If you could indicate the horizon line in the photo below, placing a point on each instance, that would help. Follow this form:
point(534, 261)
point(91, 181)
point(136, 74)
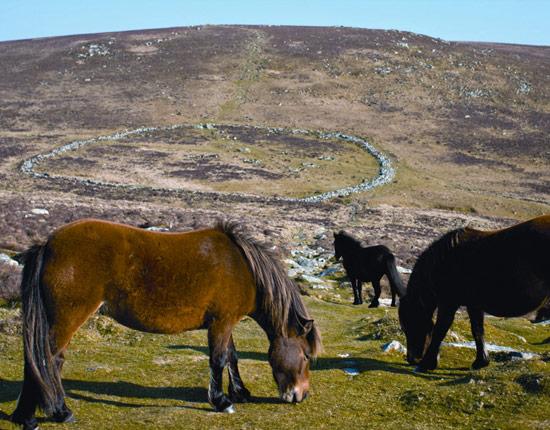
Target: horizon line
point(38, 38)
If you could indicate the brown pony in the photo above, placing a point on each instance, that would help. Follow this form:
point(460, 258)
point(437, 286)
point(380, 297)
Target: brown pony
point(159, 283)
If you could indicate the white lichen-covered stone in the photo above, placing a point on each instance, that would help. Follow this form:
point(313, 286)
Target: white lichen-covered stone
point(6, 259)
point(514, 353)
point(394, 345)
point(40, 211)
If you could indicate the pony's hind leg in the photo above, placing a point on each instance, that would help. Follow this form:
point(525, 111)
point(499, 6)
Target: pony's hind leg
point(237, 391)
point(68, 321)
point(63, 414)
point(377, 291)
point(27, 402)
point(476, 323)
point(219, 334)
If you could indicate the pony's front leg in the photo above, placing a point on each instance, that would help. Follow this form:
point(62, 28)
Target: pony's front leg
point(356, 296)
point(218, 340)
point(476, 323)
point(377, 291)
point(237, 391)
point(445, 318)
point(359, 286)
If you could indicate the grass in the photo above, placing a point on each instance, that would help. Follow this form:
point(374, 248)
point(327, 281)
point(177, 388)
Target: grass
point(150, 163)
point(119, 378)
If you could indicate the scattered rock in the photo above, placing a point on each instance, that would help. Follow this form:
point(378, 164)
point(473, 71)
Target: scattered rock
point(39, 211)
point(312, 279)
point(94, 50)
point(6, 259)
point(500, 353)
point(394, 345)
point(156, 228)
point(524, 87)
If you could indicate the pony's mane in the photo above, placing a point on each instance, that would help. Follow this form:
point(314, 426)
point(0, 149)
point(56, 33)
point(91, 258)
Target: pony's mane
point(423, 271)
point(279, 297)
point(348, 239)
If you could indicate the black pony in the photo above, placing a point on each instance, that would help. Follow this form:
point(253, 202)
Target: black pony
point(367, 264)
point(504, 273)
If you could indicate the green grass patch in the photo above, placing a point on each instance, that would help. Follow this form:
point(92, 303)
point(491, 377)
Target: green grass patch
point(119, 378)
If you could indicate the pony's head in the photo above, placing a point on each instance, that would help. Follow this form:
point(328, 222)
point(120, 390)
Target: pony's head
point(337, 245)
point(341, 240)
point(417, 324)
point(290, 357)
point(417, 307)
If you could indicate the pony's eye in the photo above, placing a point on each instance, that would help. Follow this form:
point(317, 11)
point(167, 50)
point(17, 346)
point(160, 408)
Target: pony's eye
point(306, 357)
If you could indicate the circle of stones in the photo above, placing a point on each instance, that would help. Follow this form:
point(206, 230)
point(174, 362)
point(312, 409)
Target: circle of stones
point(385, 175)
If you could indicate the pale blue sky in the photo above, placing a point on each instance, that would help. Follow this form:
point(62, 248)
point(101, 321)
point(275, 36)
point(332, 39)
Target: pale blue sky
point(509, 21)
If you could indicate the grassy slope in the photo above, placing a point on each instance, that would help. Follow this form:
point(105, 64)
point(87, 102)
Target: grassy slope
point(118, 378)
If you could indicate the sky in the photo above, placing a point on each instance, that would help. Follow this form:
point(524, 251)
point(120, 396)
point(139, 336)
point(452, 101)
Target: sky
point(507, 21)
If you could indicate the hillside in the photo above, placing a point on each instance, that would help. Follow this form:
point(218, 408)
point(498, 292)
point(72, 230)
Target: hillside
point(177, 127)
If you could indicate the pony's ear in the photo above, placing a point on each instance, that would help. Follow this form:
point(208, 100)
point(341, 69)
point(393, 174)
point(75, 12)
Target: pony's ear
point(335, 234)
point(307, 326)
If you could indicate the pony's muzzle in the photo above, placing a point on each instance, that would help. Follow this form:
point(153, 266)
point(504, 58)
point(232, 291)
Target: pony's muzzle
point(294, 396)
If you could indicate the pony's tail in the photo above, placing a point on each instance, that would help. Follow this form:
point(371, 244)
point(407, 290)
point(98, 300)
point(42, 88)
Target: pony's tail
point(39, 360)
point(396, 283)
point(279, 297)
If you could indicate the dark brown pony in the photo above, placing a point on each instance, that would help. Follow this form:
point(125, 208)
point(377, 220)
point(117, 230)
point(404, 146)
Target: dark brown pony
point(367, 264)
point(505, 273)
point(159, 283)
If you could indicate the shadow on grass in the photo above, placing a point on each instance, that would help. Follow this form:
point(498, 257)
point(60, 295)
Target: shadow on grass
point(75, 388)
point(247, 355)
point(9, 390)
point(361, 364)
point(91, 391)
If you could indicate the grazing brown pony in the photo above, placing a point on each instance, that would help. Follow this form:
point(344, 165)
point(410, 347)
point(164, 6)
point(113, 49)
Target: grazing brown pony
point(505, 273)
point(159, 283)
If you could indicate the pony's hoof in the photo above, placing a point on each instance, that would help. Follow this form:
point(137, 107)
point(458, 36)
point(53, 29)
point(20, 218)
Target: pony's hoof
point(27, 424)
point(479, 364)
point(229, 410)
point(374, 304)
point(425, 366)
point(65, 416)
point(240, 396)
point(223, 404)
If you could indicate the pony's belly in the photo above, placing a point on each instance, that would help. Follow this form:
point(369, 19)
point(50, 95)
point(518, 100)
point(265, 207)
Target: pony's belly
point(151, 320)
point(513, 306)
